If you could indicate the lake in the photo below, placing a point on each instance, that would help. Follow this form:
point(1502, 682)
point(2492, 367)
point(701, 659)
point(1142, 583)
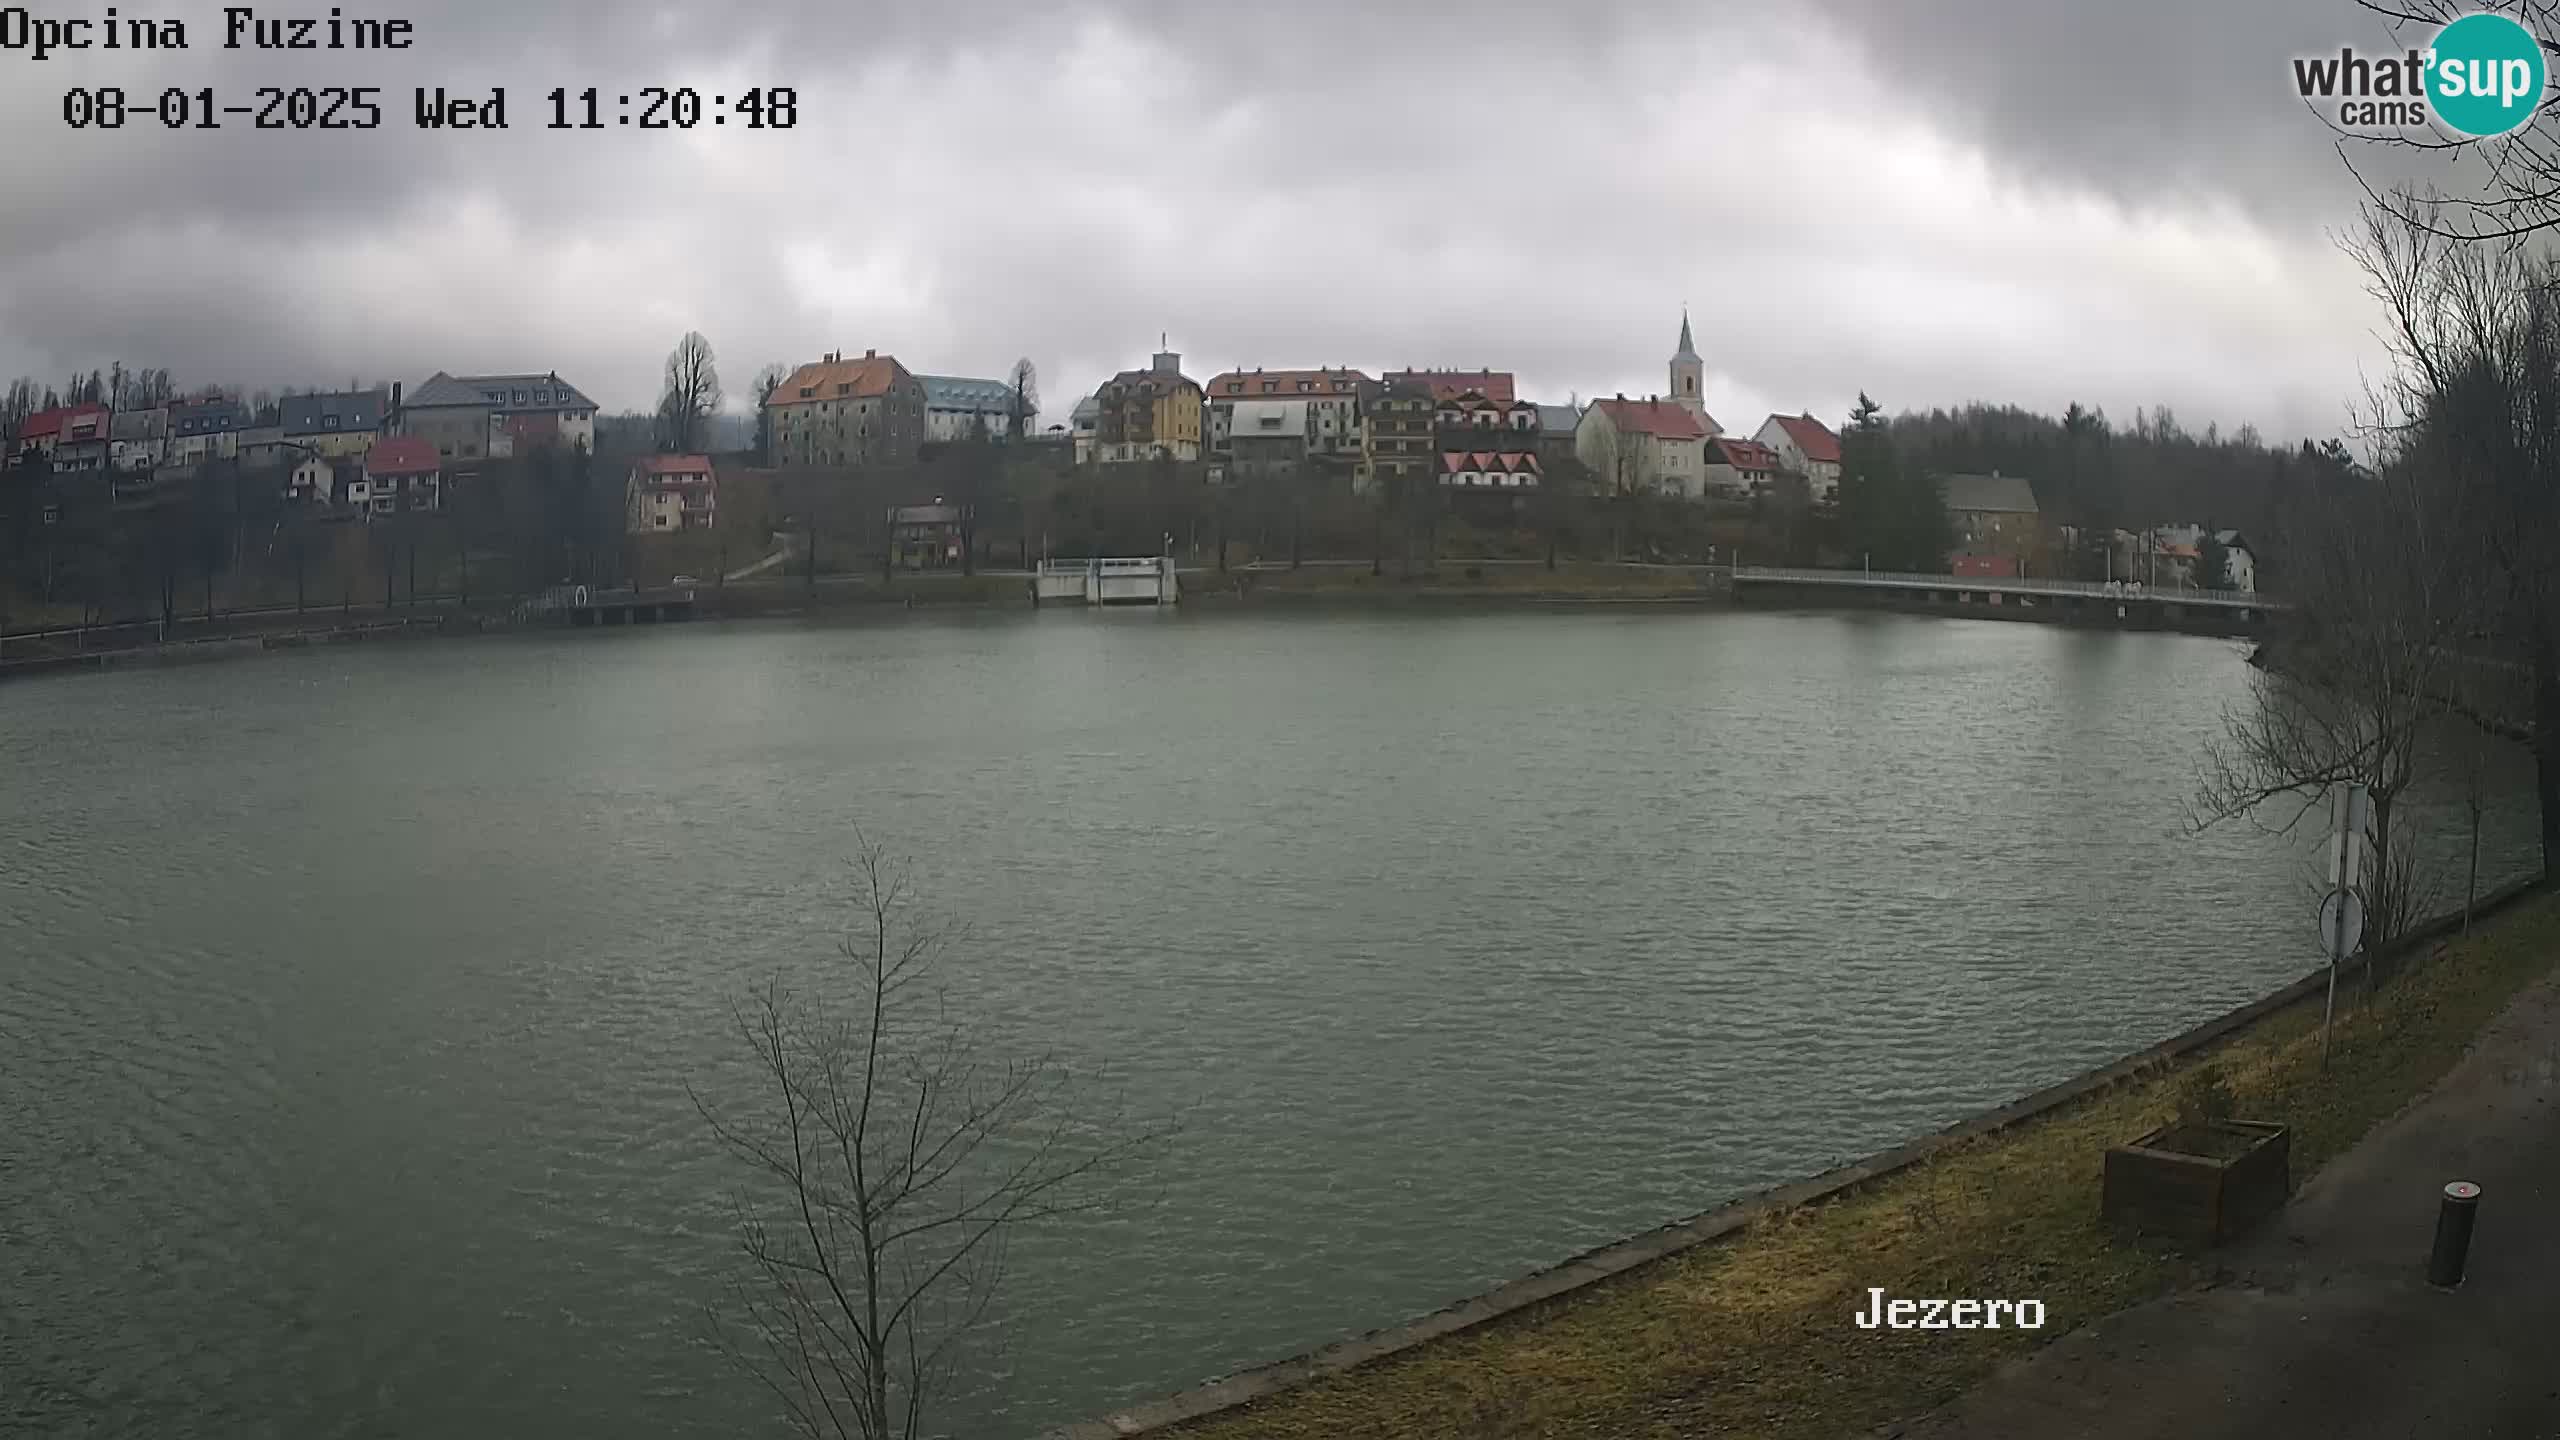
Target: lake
point(349, 997)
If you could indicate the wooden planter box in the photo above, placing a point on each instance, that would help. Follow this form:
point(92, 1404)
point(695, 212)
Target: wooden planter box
point(2199, 1184)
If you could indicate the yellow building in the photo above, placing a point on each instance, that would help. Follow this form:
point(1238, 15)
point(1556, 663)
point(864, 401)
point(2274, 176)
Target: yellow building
point(340, 426)
point(1149, 414)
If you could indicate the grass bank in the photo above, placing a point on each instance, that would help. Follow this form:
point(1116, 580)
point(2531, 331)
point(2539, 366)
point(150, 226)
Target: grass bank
point(1752, 1336)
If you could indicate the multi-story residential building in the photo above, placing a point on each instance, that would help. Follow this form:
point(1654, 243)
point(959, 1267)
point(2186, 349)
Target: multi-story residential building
point(207, 429)
point(401, 472)
point(1644, 447)
point(1085, 424)
point(837, 411)
point(1737, 467)
point(1398, 450)
point(1485, 442)
point(470, 417)
point(71, 437)
point(138, 439)
point(671, 492)
point(1331, 398)
point(1266, 439)
point(1993, 514)
point(957, 407)
point(1149, 414)
point(1807, 447)
point(337, 425)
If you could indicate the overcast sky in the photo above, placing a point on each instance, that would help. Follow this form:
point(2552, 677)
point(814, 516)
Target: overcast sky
point(1936, 201)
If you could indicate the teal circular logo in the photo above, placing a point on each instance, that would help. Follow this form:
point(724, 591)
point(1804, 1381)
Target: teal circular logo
point(2484, 75)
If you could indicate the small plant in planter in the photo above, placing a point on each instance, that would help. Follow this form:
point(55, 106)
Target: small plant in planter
point(2202, 1178)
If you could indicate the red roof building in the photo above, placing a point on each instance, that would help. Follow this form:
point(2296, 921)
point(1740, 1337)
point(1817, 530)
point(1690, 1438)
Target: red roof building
point(1490, 469)
point(46, 430)
point(1662, 419)
point(402, 455)
point(671, 492)
point(1810, 436)
point(1449, 384)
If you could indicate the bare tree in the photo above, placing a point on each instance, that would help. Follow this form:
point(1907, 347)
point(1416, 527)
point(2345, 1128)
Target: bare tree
point(691, 398)
point(1026, 396)
point(889, 1165)
point(2354, 680)
point(768, 380)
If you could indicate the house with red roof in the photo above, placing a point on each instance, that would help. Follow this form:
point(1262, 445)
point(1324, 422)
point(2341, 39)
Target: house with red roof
point(72, 437)
point(1807, 447)
point(1494, 385)
point(1652, 446)
point(1331, 398)
point(1738, 468)
point(401, 472)
point(671, 492)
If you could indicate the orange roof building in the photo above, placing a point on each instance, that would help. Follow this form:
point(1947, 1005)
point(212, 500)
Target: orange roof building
point(843, 412)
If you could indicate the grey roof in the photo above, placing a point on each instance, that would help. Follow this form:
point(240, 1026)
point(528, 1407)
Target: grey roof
point(959, 392)
point(138, 425)
point(1558, 419)
point(203, 416)
point(2230, 540)
point(1991, 494)
point(442, 390)
point(355, 410)
point(1089, 408)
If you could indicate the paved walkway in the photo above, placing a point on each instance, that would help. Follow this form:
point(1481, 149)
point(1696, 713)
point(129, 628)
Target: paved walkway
point(2326, 1325)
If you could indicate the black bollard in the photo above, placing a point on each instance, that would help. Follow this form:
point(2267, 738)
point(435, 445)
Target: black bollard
point(2454, 1219)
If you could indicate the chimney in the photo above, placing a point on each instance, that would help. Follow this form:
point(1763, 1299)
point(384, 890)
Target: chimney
point(870, 354)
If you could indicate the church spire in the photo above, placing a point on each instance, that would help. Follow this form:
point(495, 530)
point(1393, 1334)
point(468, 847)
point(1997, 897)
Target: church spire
point(1688, 373)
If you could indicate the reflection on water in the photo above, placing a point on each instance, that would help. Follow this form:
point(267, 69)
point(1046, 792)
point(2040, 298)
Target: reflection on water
point(347, 999)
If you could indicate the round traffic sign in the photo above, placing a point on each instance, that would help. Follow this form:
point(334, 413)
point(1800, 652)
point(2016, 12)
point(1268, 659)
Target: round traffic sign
point(2342, 921)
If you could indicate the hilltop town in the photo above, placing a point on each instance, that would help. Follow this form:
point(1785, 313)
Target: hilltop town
point(121, 492)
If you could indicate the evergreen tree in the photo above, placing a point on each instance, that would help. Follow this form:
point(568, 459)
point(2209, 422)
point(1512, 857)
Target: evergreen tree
point(1893, 512)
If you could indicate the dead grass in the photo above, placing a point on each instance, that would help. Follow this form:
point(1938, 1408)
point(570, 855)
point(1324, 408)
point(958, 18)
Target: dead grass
point(1754, 1336)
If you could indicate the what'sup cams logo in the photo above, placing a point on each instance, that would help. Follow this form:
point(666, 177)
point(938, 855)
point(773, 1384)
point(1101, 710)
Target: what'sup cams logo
point(2482, 76)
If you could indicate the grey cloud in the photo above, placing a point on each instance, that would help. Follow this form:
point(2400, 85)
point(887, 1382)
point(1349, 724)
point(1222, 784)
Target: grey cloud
point(982, 180)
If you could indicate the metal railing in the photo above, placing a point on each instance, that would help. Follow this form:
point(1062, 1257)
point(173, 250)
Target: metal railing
point(1916, 580)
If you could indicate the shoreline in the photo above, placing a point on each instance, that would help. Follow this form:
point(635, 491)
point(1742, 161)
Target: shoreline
point(243, 638)
point(1239, 1397)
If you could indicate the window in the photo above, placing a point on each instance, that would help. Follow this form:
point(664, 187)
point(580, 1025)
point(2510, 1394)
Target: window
point(519, 397)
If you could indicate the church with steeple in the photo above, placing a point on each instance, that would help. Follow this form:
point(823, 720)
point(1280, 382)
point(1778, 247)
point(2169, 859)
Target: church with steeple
point(1689, 373)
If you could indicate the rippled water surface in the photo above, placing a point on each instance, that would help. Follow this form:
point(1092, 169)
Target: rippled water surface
point(348, 998)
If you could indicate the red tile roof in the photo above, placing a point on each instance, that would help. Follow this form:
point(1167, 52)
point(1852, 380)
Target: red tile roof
point(1745, 454)
point(1453, 461)
point(872, 375)
point(1662, 419)
point(1281, 384)
point(402, 455)
point(672, 464)
point(1496, 384)
point(1811, 436)
point(59, 418)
